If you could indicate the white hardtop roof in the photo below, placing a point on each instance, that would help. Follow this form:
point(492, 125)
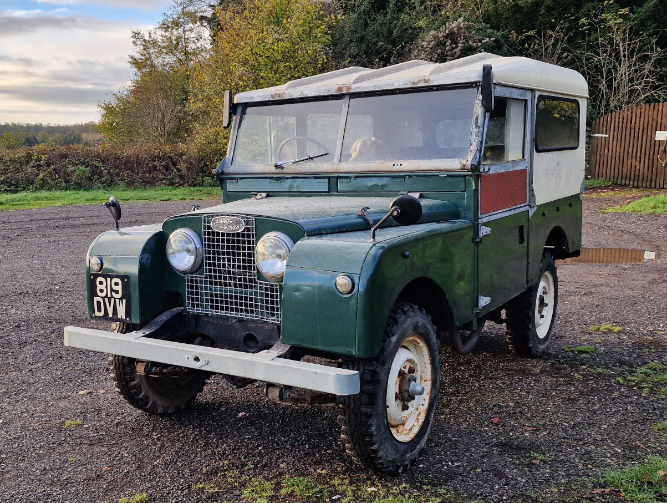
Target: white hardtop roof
point(511, 71)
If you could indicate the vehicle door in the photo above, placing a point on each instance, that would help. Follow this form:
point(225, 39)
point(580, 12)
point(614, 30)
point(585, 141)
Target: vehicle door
point(503, 200)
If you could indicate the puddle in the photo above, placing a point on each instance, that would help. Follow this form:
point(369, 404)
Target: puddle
point(611, 256)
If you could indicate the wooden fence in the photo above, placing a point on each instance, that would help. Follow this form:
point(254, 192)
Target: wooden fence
point(630, 155)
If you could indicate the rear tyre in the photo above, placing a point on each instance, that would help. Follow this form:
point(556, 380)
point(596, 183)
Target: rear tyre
point(386, 425)
point(531, 315)
point(157, 395)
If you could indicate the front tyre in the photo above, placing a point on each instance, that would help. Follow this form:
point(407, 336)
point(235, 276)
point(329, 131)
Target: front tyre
point(153, 394)
point(531, 315)
point(386, 425)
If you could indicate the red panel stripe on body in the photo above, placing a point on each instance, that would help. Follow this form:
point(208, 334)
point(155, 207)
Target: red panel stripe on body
point(499, 191)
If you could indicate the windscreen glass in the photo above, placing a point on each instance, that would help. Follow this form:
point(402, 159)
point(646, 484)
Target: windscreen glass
point(410, 126)
point(277, 133)
point(426, 125)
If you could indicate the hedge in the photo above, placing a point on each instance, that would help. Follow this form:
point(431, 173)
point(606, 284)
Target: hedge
point(81, 167)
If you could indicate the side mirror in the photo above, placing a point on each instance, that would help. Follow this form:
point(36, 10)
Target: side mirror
point(487, 88)
point(410, 210)
point(405, 210)
point(228, 109)
point(114, 208)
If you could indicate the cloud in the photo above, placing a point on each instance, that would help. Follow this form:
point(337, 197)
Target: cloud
point(60, 76)
point(19, 25)
point(143, 5)
point(53, 95)
point(19, 61)
point(57, 64)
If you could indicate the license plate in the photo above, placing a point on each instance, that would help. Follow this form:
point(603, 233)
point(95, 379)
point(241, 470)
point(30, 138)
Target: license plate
point(110, 295)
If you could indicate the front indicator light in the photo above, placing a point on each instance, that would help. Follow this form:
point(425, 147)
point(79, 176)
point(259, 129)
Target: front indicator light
point(344, 284)
point(96, 264)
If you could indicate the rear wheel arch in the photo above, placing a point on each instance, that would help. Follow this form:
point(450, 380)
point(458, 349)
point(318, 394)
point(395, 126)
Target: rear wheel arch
point(557, 244)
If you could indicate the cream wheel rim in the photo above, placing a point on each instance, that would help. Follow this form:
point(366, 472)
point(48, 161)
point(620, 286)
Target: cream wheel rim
point(411, 369)
point(544, 304)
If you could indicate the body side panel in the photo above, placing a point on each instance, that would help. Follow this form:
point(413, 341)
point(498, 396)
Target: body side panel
point(443, 255)
point(564, 214)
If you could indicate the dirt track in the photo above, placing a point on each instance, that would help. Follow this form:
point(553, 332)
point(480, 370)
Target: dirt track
point(561, 421)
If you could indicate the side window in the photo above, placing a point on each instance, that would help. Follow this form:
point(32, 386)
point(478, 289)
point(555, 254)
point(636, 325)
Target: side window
point(506, 133)
point(556, 124)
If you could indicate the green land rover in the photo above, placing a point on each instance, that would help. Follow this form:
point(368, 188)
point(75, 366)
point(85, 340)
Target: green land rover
point(365, 214)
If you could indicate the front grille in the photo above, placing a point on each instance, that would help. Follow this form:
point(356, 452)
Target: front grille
point(229, 285)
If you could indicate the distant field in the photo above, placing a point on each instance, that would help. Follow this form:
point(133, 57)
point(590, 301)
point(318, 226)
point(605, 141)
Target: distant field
point(43, 199)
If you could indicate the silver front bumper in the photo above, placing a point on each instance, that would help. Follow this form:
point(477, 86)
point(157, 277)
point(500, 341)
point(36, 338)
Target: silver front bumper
point(263, 366)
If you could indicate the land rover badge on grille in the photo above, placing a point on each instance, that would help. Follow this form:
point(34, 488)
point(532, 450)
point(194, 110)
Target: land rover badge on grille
point(227, 224)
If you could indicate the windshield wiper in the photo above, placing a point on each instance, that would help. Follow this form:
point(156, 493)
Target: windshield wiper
point(279, 165)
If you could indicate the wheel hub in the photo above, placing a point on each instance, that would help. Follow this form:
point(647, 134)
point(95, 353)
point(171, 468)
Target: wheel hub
point(544, 304)
point(408, 389)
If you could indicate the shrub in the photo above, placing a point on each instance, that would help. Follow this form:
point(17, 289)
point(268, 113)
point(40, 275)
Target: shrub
point(82, 167)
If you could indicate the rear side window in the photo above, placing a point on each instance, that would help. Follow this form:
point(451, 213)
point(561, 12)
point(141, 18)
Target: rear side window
point(557, 124)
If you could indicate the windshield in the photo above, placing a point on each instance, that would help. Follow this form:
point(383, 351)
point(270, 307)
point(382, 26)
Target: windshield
point(428, 125)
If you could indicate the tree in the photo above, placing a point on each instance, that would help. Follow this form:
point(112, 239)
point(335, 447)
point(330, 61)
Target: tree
point(456, 39)
point(267, 43)
point(153, 108)
point(623, 67)
point(12, 140)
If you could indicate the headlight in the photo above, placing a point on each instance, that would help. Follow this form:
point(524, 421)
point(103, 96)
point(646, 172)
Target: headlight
point(184, 250)
point(272, 253)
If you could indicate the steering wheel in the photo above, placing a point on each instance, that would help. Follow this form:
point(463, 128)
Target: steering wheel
point(295, 138)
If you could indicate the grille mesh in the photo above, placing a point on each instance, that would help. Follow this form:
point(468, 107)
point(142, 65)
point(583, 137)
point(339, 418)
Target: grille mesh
point(229, 285)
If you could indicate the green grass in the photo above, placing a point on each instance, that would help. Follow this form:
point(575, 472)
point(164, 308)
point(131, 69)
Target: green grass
point(581, 349)
point(259, 491)
point(650, 378)
point(605, 328)
point(303, 487)
point(47, 198)
point(72, 424)
point(662, 427)
point(646, 205)
point(539, 456)
point(137, 498)
point(322, 486)
point(646, 483)
point(595, 183)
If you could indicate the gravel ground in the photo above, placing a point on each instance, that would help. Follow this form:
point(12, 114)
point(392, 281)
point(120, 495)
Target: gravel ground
point(508, 428)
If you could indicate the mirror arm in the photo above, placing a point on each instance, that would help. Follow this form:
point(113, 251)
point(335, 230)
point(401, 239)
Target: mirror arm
point(108, 205)
point(392, 213)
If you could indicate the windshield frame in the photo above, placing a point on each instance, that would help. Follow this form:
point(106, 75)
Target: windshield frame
point(336, 166)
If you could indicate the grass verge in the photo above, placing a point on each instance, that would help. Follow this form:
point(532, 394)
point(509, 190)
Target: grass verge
point(231, 485)
point(594, 183)
point(646, 483)
point(645, 206)
point(48, 198)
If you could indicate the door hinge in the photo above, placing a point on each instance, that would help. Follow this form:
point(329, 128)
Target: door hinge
point(482, 231)
point(483, 301)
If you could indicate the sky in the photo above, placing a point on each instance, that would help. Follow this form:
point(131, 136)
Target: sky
point(60, 58)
